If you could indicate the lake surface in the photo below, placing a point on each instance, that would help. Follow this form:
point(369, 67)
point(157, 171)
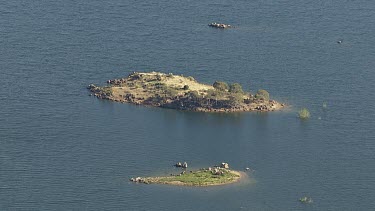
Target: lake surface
point(63, 150)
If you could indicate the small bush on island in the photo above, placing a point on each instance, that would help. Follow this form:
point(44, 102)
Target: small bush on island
point(304, 113)
point(171, 92)
point(235, 88)
point(235, 99)
point(220, 85)
point(186, 87)
point(262, 95)
point(194, 95)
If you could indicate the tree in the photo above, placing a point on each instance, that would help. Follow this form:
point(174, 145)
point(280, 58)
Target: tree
point(214, 94)
point(235, 88)
point(262, 94)
point(235, 99)
point(220, 85)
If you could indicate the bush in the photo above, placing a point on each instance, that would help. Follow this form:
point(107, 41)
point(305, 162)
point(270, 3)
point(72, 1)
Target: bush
point(194, 95)
point(171, 92)
point(220, 85)
point(235, 99)
point(235, 88)
point(214, 93)
point(262, 94)
point(186, 87)
point(304, 113)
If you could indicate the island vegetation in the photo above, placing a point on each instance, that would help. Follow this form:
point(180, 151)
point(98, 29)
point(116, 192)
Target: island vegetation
point(304, 113)
point(183, 93)
point(218, 175)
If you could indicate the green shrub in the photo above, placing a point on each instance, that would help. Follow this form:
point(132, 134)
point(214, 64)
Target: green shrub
point(304, 113)
point(236, 99)
point(214, 93)
point(235, 88)
point(170, 92)
point(194, 95)
point(220, 85)
point(262, 94)
point(186, 87)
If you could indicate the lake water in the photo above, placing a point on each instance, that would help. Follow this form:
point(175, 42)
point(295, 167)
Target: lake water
point(63, 150)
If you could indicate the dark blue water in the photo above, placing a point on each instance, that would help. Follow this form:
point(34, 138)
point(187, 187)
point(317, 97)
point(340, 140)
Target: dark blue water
point(63, 150)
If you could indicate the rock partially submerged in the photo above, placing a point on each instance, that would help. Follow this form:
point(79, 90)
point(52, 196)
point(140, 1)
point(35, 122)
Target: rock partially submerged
point(182, 165)
point(224, 165)
point(220, 25)
point(306, 200)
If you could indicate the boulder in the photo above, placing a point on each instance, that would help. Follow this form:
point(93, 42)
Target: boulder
point(224, 165)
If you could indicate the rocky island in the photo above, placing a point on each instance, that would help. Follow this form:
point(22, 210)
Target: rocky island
point(220, 25)
point(183, 93)
point(218, 175)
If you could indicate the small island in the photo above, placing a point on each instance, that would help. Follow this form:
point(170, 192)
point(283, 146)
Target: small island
point(219, 175)
point(220, 25)
point(183, 93)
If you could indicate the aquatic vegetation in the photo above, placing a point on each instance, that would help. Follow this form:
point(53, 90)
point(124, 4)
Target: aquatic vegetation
point(306, 200)
point(304, 113)
point(324, 105)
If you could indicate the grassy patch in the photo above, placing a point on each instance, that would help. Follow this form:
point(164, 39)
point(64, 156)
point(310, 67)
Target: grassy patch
point(197, 178)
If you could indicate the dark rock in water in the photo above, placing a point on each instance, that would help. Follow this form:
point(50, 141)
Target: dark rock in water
point(183, 165)
point(91, 86)
point(137, 179)
point(220, 25)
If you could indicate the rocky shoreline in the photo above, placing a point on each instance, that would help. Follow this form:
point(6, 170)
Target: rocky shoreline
point(179, 92)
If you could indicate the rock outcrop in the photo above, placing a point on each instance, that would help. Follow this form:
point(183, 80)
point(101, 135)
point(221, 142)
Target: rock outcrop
point(220, 25)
